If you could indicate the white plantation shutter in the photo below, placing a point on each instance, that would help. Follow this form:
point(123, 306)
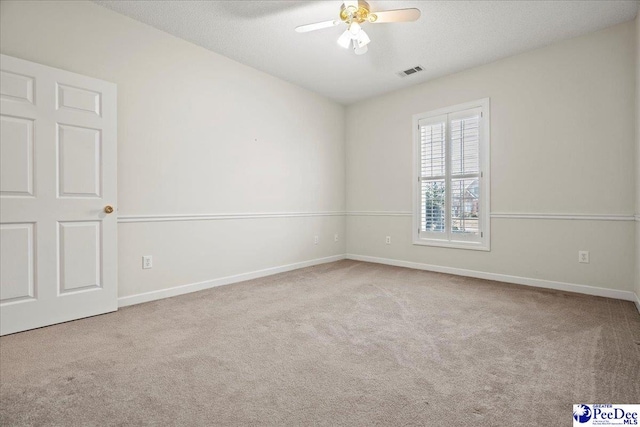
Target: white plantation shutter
point(465, 174)
point(450, 205)
point(433, 175)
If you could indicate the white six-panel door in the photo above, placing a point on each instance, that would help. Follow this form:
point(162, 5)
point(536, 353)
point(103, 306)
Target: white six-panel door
point(58, 244)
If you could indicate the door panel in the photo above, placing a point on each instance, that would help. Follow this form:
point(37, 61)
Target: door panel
point(80, 255)
point(16, 87)
point(80, 99)
point(17, 269)
point(16, 156)
point(79, 161)
point(58, 147)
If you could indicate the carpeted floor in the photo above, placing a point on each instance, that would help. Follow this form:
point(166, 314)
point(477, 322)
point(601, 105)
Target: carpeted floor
point(347, 343)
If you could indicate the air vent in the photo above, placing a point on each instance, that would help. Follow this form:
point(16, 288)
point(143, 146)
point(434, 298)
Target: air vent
point(410, 71)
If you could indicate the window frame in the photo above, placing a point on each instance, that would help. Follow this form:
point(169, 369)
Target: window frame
point(484, 243)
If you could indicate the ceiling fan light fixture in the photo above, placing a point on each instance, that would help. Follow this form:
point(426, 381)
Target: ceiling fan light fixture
point(345, 39)
point(360, 50)
point(362, 39)
point(355, 29)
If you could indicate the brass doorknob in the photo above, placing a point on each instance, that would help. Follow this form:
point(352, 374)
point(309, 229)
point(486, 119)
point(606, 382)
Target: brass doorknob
point(108, 209)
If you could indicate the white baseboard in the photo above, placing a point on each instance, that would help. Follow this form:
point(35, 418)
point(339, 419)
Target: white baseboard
point(193, 287)
point(540, 283)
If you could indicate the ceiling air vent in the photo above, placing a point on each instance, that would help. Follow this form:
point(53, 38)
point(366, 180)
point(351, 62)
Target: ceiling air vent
point(410, 71)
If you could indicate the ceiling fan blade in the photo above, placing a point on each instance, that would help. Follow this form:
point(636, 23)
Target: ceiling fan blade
point(316, 26)
point(397, 15)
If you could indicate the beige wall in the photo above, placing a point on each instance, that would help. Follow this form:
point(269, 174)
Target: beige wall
point(562, 142)
point(197, 134)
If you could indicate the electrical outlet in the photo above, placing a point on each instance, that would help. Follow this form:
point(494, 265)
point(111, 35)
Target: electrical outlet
point(388, 240)
point(316, 239)
point(583, 256)
point(147, 261)
point(335, 237)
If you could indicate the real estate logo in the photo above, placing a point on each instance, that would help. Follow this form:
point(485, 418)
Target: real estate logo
point(607, 414)
point(581, 413)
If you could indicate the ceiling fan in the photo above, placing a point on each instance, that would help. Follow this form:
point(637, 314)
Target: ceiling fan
point(356, 12)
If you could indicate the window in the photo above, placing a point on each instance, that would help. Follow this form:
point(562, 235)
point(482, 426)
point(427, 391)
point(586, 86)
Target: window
point(451, 182)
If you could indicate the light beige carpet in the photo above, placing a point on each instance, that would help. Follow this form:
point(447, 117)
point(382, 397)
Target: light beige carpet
point(347, 343)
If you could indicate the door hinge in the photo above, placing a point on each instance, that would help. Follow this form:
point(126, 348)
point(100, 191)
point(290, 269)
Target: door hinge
point(481, 174)
point(481, 234)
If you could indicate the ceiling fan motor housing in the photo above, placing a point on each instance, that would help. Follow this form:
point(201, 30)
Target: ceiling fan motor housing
point(361, 14)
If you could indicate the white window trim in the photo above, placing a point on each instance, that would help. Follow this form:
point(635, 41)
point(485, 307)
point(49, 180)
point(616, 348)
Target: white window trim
point(485, 168)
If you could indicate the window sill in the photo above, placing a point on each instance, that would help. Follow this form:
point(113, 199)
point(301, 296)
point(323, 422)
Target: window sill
point(474, 246)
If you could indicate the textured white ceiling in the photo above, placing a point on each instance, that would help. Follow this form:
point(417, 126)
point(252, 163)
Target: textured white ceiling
point(450, 36)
